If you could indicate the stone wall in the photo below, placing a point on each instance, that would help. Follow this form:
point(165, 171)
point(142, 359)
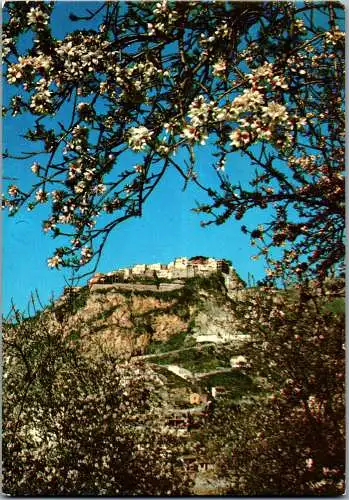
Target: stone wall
point(138, 287)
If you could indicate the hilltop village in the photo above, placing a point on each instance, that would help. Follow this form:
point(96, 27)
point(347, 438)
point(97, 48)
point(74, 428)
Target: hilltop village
point(180, 268)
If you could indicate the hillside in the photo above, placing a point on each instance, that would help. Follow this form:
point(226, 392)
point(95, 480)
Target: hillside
point(166, 366)
point(186, 333)
point(137, 321)
point(184, 330)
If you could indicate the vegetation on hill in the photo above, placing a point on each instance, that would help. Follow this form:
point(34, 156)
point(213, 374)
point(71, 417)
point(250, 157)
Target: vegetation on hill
point(204, 358)
point(237, 385)
point(73, 425)
point(283, 412)
point(181, 340)
point(293, 441)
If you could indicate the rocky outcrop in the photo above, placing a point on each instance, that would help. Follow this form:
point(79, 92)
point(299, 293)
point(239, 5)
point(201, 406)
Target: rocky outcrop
point(126, 319)
point(215, 322)
point(115, 322)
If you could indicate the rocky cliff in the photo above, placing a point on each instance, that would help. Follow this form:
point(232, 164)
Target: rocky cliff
point(126, 322)
point(133, 321)
point(187, 334)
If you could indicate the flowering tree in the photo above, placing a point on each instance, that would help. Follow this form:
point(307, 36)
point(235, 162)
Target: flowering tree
point(264, 80)
point(74, 426)
point(291, 441)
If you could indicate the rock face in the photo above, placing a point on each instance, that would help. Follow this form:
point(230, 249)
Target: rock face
point(127, 321)
point(114, 322)
point(215, 322)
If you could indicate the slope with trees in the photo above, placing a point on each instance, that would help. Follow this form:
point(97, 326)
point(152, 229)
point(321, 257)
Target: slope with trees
point(76, 426)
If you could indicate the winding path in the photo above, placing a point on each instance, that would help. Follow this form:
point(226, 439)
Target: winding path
point(167, 353)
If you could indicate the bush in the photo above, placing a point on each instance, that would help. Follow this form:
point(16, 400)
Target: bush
point(80, 427)
point(293, 441)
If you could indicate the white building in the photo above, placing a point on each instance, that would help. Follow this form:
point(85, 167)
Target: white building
point(126, 272)
point(154, 267)
point(165, 274)
point(181, 267)
point(218, 391)
point(212, 263)
point(238, 362)
point(181, 263)
point(139, 269)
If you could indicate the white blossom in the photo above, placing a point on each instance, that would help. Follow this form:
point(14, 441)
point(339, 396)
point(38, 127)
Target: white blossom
point(41, 196)
point(219, 68)
point(275, 111)
point(13, 190)
point(37, 16)
point(35, 167)
point(138, 137)
point(54, 261)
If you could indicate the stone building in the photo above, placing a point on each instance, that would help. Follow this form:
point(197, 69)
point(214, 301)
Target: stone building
point(179, 268)
point(196, 398)
point(139, 269)
point(154, 267)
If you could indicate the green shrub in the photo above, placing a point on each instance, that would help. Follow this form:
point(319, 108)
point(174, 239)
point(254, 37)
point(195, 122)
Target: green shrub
point(173, 343)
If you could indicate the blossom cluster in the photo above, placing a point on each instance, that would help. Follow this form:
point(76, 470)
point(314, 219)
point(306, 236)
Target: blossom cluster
point(258, 117)
point(298, 358)
point(127, 91)
point(138, 137)
point(85, 425)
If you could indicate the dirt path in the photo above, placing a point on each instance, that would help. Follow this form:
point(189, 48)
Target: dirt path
point(167, 353)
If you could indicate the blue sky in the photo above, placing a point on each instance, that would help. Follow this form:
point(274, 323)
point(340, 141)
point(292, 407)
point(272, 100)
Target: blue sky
point(167, 229)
